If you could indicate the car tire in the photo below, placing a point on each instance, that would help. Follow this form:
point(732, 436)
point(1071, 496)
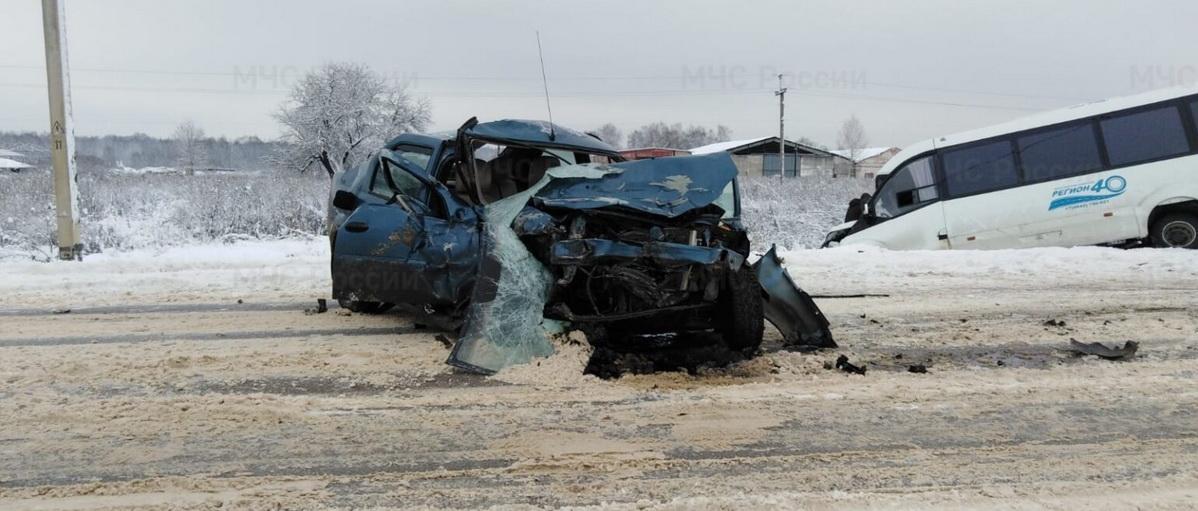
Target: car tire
point(742, 323)
point(364, 307)
point(1176, 230)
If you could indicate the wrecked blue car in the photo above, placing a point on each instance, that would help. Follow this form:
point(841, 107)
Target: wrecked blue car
point(512, 231)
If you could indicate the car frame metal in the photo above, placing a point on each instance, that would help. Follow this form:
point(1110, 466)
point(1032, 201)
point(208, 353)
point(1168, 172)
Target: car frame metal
point(646, 247)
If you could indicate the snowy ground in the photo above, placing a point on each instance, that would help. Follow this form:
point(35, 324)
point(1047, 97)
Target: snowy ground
point(192, 378)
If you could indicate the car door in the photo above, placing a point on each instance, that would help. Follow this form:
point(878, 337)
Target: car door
point(416, 246)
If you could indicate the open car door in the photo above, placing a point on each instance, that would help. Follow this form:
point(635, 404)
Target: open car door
point(417, 247)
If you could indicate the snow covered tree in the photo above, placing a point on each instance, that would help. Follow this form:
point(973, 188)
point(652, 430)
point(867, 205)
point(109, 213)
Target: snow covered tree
point(660, 134)
point(340, 112)
point(189, 147)
point(852, 140)
point(611, 134)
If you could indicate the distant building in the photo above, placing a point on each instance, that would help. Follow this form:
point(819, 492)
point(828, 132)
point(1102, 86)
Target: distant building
point(871, 160)
point(759, 157)
point(649, 153)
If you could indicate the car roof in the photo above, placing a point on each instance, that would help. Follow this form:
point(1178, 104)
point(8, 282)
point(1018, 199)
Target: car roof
point(540, 133)
point(418, 139)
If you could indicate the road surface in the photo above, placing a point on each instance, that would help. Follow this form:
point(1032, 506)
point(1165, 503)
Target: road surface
point(129, 402)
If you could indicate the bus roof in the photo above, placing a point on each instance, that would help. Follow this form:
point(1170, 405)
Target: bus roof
point(1048, 118)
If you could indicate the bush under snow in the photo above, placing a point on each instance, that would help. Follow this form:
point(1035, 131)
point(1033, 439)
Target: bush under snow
point(125, 211)
point(796, 213)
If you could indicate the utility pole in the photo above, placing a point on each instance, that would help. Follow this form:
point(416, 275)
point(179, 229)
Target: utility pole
point(62, 131)
point(781, 93)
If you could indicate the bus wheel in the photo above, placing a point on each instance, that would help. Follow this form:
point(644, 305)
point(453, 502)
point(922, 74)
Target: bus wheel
point(1176, 230)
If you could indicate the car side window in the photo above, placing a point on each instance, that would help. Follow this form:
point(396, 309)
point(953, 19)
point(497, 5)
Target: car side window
point(400, 182)
point(907, 189)
point(415, 154)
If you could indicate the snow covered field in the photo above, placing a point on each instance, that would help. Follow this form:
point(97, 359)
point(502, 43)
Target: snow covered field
point(297, 270)
point(169, 209)
point(191, 378)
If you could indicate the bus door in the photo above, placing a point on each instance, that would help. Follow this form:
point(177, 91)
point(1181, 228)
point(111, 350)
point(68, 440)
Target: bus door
point(908, 210)
point(987, 208)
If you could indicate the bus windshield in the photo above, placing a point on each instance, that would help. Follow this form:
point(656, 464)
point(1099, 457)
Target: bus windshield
point(908, 188)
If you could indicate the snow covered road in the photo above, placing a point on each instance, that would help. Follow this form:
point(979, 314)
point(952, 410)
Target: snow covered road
point(159, 390)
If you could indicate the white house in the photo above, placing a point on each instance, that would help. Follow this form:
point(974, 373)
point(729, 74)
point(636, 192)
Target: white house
point(870, 160)
point(759, 157)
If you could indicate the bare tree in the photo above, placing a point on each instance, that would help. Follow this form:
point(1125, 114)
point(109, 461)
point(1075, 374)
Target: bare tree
point(189, 148)
point(660, 134)
point(340, 112)
point(852, 140)
point(611, 134)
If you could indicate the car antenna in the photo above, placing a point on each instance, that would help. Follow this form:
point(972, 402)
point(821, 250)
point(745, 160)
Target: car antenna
point(545, 82)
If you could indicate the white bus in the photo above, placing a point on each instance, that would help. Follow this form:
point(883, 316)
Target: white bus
point(1114, 172)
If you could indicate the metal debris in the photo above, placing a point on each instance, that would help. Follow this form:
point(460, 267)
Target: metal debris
point(1102, 351)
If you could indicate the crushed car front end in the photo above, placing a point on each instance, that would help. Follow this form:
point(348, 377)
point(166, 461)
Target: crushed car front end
point(665, 262)
point(628, 249)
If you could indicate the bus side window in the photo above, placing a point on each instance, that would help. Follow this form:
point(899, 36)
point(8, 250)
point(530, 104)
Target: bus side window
point(1060, 153)
point(1145, 136)
point(980, 169)
point(1194, 114)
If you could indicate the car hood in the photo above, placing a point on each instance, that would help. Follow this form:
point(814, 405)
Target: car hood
point(666, 187)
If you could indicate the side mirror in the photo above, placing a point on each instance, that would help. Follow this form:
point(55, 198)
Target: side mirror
point(345, 200)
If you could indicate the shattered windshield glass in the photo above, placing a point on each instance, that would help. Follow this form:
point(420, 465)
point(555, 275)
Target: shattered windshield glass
point(727, 200)
point(505, 324)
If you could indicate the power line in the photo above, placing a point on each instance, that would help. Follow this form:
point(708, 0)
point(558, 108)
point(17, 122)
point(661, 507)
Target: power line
point(494, 78)
point(529, 95)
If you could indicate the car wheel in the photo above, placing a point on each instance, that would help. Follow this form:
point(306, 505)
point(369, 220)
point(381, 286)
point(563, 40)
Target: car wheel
point(742, 321)
point(365, 307)
point(1176, 230)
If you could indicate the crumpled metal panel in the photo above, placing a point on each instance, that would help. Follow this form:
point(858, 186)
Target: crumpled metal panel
point(789, 308)
point(601, 251)
point(505, 322)
point(666, 187)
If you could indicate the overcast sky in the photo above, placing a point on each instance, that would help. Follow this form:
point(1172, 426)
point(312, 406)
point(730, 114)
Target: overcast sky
point(909, 70)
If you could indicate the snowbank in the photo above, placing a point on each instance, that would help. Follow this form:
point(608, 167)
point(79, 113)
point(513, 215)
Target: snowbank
point(269, 271)
point(275, 271)
point(873, 270)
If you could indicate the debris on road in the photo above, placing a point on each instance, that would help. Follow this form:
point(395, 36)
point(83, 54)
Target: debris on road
point(918, 369)
point(843, 364)
point(1055, 323)
point(322, 306)
point(61, 311)
point(1102, 351)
